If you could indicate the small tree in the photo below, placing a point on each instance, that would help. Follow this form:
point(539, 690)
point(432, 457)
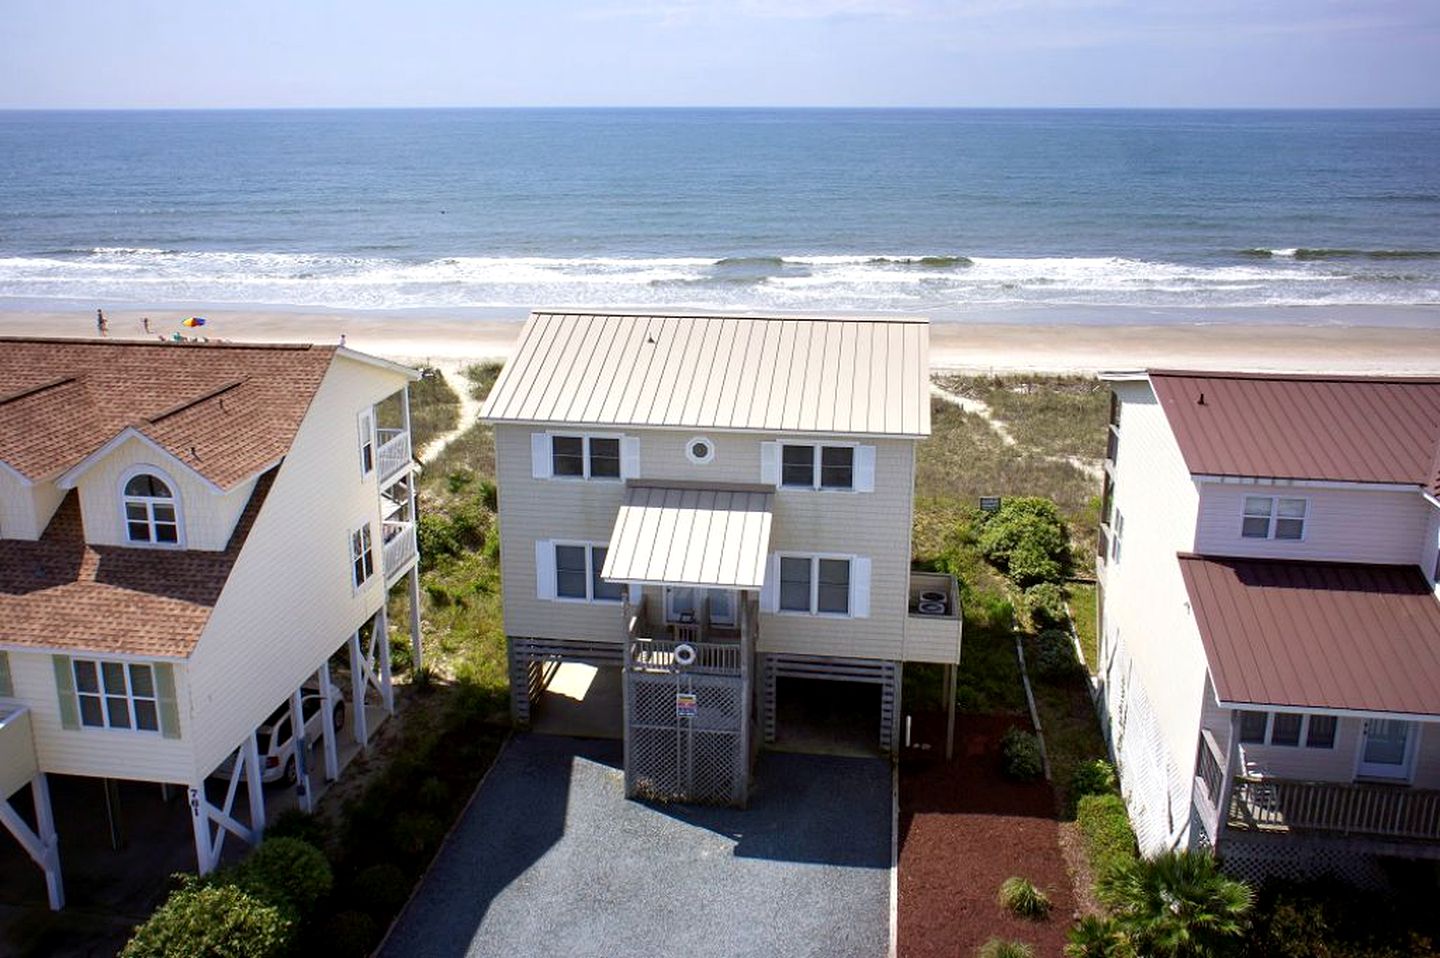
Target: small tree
point(286, 872)
point(1027, 539)
point(1177, 905)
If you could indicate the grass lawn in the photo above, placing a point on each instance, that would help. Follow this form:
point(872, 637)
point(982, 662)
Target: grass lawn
point(1082, 612)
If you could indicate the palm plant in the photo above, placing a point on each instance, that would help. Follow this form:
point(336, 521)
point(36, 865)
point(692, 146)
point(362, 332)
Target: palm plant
point(1095, 937)
point(1177, 905)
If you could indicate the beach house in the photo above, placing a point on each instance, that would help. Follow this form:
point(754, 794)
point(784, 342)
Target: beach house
point(189, 533)
point(710, 506)
point(1269, 626)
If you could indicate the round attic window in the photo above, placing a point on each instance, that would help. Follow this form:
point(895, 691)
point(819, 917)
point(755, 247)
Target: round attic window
point(700, 450)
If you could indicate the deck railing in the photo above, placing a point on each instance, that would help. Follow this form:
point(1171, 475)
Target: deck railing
point(1386, 811)
point(658, 655)
point(1208, 768)
point(394, 452)
point(398, 548)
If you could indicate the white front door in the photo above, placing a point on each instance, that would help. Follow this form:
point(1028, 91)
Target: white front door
point(1387, 749)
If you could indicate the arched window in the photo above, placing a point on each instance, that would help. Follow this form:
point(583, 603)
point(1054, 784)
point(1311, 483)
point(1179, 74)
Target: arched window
point(150, 514)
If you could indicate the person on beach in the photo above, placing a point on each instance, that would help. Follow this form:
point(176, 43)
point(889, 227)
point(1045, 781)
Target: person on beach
point(145, 324)
point(102, 326)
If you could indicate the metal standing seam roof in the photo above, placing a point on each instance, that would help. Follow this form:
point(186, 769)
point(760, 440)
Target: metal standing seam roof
point(1339, 428)
point(711, 537)
point(227, 411)
point(858, 375)
point(1361, 638)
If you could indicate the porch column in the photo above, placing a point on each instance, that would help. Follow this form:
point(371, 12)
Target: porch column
point(416, 653)
point(255, 788)
point(200, 822)
point(359, 725)
point(950, 691)
point(381, 636)
point(1227, 778)
point(302, 754)
point(327, 728)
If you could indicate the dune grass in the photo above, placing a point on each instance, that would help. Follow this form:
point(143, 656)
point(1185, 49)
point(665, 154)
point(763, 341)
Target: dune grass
point(1049, 415)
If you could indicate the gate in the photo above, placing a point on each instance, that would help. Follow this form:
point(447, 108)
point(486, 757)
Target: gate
point(687, 723)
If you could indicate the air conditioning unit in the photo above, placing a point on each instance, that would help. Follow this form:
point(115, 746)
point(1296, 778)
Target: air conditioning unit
point(933, 603)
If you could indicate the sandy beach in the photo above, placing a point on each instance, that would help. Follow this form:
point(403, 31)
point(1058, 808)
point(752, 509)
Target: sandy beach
point(1387, 341)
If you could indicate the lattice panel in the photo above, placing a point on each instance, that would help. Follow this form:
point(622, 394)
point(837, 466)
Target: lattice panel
point(681, 758)
point(1298, 860)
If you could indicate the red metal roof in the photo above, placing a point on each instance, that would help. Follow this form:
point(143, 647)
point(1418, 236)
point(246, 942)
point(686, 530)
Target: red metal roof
point(225, 410)
point(1342, 428)
point(1364, 638)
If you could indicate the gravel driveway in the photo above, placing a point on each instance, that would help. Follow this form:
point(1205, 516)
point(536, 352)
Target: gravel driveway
point(551, 860)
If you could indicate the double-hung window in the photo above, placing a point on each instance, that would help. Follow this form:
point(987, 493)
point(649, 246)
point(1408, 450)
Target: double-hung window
point(362, 555)
point(585, 457)
point(577, 574)
point(1273, 517)
point(805, 466)
point(815, 585)
point(116, 695)
point(367, 443)
point(1287, 729)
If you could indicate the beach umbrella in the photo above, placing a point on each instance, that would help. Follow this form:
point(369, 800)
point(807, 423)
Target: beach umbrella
point(194, 321)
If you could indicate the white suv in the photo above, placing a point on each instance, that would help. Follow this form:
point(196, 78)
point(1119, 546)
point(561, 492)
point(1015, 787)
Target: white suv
point(277, 744)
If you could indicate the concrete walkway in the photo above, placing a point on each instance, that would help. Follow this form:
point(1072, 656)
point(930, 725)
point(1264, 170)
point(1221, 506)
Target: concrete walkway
point(551, 860)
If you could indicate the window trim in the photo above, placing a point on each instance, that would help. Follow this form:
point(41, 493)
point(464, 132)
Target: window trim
point(816, 466)
point(103, 694)
point(1274, 517)
point(815, 557)
point(365, 530)
point(591, 573)
point(585, 438)
point(690, 445)
point(140, 469)
point(369, 440)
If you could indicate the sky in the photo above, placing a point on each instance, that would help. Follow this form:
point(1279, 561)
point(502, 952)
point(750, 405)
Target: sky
point(505, 53)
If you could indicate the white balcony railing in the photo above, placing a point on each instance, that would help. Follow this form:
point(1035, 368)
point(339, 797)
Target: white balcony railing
point(394, 452)
point(398, 550)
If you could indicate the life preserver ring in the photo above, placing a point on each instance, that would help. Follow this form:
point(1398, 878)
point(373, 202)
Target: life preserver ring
point(684, 654)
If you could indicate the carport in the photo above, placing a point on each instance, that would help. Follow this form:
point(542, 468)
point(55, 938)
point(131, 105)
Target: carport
point(550, 859)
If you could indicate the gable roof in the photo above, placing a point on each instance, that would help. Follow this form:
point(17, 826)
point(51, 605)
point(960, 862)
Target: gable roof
point(60, 593)
point(1340, 636)
point(1336, 428)
point(227, 411)
point(857, 376)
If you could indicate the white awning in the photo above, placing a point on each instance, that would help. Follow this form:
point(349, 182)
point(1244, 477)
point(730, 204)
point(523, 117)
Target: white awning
point(708, 537)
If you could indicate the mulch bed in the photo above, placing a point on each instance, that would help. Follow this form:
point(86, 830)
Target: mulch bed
point(964, 829)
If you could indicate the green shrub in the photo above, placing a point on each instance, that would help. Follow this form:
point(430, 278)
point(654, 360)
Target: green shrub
point(286, 872)
point(1046, 604)
point(1021, 898)
point(490, 495)
point(1027, 539)
point(293, 823)
point(1095, 777)
point(202, 919)
point(1327, 919)
point(1020, 751)
point(459, 480)
point(348, 934)
point(1109, 841)
point(1177, 905)
point(998, 948)
point(380, 889)
point(1054, 656)
point(432, 794)
point(1096, 937)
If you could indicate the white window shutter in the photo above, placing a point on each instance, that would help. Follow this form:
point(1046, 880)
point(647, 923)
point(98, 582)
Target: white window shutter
point(637, 592)
point(864, 468)
point(770, 463)
point(541, 466)
point(770, 591)
point(860, 587)
point(544, 569)
point(629, 457)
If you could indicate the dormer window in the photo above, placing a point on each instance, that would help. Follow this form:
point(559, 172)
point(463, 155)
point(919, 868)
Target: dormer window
point(150, 511)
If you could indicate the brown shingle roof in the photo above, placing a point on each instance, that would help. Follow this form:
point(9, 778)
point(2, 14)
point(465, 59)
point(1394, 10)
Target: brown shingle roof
point(59, 593)
point(1318, 635)
point(1350, 429)
point(226, 410)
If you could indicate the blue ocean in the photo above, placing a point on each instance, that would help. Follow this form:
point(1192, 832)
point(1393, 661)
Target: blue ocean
point(936, 211)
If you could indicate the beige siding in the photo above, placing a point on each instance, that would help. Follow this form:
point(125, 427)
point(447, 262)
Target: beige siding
point(1162, 675)
point(289, 603)
point(17, 750)
point(874, 524)
point(106, 753)
point(1343, 525)
point(208, 517)
point(25, 511)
